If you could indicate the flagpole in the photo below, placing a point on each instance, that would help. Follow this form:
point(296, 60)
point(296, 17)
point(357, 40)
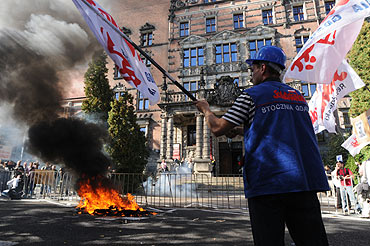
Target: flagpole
point(144, 54)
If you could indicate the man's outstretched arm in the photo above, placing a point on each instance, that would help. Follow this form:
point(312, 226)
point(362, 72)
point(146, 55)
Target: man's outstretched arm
point(218, 126)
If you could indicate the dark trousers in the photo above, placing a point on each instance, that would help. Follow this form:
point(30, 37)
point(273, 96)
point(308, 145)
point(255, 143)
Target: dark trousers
point(299, 211)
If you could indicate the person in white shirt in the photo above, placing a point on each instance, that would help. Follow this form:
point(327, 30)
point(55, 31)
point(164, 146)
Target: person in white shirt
point(364, 195)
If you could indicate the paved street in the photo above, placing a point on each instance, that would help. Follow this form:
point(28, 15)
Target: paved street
point(37, 222)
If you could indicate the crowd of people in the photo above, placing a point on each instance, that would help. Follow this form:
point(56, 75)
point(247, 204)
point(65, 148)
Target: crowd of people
point(25, 176)
point(176, 165)
point(342, 182)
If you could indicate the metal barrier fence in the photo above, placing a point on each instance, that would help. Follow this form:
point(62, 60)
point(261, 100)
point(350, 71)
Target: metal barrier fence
point(162, 190)
point(183, 190)
point(43, 184)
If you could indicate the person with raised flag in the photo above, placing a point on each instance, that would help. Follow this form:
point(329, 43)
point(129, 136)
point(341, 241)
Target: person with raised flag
point(126, 58)
point(283, 170)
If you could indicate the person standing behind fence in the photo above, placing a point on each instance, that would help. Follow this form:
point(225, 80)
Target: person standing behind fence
point(336, 183)
point(345, 176)
point(328, 175)
point(30, 185)
point(213, 166)
point(283, 170)
point(191, 165)
point(164, 167)
point(362, 189)
point(46, 178)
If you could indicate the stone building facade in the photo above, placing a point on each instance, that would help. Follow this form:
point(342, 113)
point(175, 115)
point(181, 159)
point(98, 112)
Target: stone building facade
point(204, 44)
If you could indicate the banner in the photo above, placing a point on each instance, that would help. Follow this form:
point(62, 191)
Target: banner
point(176, 151)
point(325, 99)
point(353, 146)
point(361, 127)
point(323, 52)
point(127, 60)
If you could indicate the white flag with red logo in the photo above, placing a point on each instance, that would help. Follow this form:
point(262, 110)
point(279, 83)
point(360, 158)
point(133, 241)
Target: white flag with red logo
point(353, 146)
point(126, 58)
point(324, 101)
point(323, 52)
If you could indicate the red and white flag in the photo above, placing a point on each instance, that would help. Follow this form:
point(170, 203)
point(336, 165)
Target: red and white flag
point(325, 99)
point(353, 146)
point(324, 51)
point(127, 60)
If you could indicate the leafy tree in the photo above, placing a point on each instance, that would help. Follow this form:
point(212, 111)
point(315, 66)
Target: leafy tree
point(97, 90)
point(359, 60)
point(128, 145)
point(334, 148)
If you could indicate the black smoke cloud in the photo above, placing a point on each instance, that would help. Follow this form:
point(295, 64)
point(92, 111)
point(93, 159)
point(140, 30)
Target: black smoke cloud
point(71, 141)
point(40, 41)
point(28, 81)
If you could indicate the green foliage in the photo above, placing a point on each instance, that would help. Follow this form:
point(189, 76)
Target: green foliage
point(360, 157)
point(334, 148)
point(97, 90)
point(350, 164)
point(360, 61)
point(128, 147)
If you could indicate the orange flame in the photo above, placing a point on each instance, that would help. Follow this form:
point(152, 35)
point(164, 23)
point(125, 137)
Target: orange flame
point(104, 198)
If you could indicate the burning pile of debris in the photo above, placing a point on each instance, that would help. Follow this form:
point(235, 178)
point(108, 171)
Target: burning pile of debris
point(100, 199)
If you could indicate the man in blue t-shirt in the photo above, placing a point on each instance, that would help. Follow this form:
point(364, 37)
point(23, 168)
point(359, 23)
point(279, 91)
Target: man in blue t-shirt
point(283, 169)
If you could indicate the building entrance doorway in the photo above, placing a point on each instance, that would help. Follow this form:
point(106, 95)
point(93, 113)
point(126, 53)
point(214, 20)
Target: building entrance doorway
point(230, 155)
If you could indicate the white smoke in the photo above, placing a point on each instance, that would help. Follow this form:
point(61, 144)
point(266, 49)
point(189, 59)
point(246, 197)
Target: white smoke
point(12, 133)
point(48, 37)
point(176, 184)
point(53, 29)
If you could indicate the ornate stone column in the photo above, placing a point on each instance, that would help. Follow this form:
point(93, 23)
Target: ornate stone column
point(163, 146)
point(199, 136)
point(169, 150)
point(206, 138)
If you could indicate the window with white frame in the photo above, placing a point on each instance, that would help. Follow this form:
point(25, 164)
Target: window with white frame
point(143, 129)
point(300, 41)
point(226, 53)
point(190, 86)
point(143, 103)
point(255, 45)
point(329, 5)
point(147, 39)
point(210, 24)
point(267, 16)
point(308, 89)
point(146, 61)
point(118, 94)
point(298, 13)
point(184, 29)
point(238, 21)
point(193, 57)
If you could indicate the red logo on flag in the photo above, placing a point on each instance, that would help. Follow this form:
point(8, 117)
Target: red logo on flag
point(313, 115)
point(91, 2)
point(312, 59)
point(355, 143)
point(126, 70)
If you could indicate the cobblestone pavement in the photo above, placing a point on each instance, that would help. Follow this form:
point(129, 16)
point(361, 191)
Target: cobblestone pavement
point(40, 222)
